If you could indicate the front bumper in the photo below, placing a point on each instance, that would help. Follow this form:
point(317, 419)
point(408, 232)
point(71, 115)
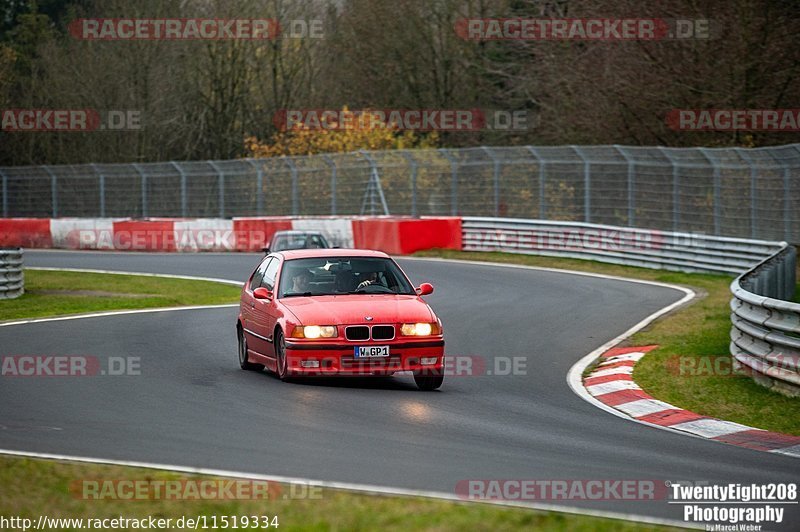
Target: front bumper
point(338, 358)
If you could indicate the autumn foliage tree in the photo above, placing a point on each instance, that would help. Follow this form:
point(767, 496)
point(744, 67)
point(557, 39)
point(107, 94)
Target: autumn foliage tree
point(367, 133)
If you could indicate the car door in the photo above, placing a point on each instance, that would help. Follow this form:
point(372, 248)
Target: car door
point(264, 311)
point(248, 307)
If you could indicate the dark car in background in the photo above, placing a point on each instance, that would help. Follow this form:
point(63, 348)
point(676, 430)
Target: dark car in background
point(287, 240)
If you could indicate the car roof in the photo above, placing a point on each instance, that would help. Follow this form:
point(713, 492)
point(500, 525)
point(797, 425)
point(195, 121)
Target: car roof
point(335, 252)
point(294, 232)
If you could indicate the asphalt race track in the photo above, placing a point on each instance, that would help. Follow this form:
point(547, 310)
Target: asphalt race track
point(193, 406)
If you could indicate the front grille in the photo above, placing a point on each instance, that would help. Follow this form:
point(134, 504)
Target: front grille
point(357, 332)
point(383, 332)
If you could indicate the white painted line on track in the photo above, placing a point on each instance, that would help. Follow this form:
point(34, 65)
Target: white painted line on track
point(114, 313)
point(124, 312)
point(362, 488)
point(141, 274)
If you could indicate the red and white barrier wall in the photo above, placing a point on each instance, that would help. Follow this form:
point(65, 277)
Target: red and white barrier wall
point(395, 235)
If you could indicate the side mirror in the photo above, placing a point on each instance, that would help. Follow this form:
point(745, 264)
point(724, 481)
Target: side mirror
point(425, 289)
point(265, 250)
point(262, 293)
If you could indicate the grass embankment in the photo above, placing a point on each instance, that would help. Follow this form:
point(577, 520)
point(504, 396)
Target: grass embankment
point(691, 368)
point(43, 487)
point(56, 293)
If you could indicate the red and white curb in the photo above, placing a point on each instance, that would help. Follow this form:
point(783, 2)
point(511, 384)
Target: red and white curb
point(612, 384)
point(396, 235)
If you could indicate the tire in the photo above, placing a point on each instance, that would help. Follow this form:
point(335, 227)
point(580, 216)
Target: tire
point(428, 383)
point(243, 362)
point(280, 356)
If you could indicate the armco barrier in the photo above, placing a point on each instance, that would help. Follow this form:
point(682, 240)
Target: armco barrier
point(617, 245)
point(12, 280)
point(765, 337)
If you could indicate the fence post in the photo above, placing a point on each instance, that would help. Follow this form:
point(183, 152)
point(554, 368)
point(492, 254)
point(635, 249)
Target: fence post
point(587, 185)
point(374, 181)
point(295, 199)
point(102, 186)
point(220, 188)
point(53, 191)
point(453, 182)
point(496, 184)
point(5, 193)
point(542, 173)
point(330, 162)
point(259, 187)
point(717, 186)
point(676, 198)
point(631, 185)
point(753, 191)
point(412, 164)
point(787, 206)
point(143, 175)
point(184, 198)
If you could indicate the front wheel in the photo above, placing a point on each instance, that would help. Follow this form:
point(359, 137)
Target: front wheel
point(428, 383)
point(243, 358)
point(281, 369)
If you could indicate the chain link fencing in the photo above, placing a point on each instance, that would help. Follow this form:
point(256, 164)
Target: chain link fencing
point(752, 193)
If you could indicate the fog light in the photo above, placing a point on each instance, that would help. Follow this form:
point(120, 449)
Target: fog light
point(309, 363)
point(428, 361)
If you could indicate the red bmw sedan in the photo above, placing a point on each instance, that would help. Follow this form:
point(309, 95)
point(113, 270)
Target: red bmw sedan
point(338, 312)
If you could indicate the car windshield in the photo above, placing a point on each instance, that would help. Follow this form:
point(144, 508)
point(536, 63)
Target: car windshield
point(299, 241)
point(342, 275)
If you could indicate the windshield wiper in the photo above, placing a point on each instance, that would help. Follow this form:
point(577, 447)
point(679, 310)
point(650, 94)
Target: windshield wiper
point(302, 294)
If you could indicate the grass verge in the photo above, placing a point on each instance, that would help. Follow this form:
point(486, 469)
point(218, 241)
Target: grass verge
point(691, 368)
point(34, 487)
point(44, 487)
point(55, 293)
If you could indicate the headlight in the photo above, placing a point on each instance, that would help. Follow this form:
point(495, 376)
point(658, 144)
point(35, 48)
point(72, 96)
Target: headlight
point(314, 331)
point(420, 329)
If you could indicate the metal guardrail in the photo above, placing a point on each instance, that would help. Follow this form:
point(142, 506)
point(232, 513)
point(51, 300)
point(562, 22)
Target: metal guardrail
point(765, 336)
point(12, 278)
point(736, 192)
point(686, 252)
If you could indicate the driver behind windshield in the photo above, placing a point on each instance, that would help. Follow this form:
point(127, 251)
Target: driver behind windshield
point(301, 281)
point(367, 279)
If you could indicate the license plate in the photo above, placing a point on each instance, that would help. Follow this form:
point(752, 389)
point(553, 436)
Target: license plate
point(371, 351)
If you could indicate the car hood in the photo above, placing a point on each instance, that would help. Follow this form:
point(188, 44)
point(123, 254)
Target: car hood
point(353, 309)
